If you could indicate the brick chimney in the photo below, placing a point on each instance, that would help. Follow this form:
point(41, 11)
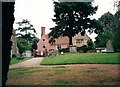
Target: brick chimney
point(42, 31)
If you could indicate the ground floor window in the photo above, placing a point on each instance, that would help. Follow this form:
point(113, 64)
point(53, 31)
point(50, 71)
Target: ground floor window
point(43, 46)
point(59, 46)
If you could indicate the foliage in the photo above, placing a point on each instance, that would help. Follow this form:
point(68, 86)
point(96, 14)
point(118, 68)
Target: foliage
point(90, 46)
point(111, 30)
point(35, 40)
point(116, 36)
point(34, 43)
point(85, 58)
point(23, 45)
point(16, 60)
point(106, 21)
point(72, 18)
point(26, 30)
point(64, 50)
point(82, 49)
point(52, 41)
point(26, 36)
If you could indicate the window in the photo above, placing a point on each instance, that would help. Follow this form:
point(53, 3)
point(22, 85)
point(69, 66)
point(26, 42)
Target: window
point(79, 40)
point(43, 39)
point(59, 46)
point(43, 46)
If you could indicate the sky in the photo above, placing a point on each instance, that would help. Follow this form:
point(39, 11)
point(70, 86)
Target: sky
point(41, 12)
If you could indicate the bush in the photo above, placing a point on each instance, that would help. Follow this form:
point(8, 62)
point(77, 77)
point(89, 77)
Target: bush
point(85, 48)
point(64, 50)
point(82, 49)
point(14, 56)
point(20, 58)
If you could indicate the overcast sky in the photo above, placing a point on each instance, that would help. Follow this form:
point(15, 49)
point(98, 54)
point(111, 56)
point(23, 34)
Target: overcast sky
point(40, 12)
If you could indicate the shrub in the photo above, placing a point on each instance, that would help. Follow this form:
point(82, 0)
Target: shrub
point(85, 48)
point(14, 56)
point(20, 58)
point(64, 50)
point(82, 49)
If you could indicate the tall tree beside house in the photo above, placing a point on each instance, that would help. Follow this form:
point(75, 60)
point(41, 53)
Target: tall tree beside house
point(23, 45)
point(116, 36)
point(72, 18)
point(26, 30)
point(107, 21)
point(91, 45)
point(34, 46)
point(34, 43)
point(26, 34)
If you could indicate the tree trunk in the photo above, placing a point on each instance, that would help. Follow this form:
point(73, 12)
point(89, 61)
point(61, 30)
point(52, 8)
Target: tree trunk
point(70, 40)
point(7, 26)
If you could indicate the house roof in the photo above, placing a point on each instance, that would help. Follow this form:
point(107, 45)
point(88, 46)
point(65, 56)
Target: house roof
point(62, 40)
point(65, 40)
point(79, 36)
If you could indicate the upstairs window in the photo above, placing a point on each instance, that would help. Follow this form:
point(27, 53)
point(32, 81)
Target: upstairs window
point(79, 40)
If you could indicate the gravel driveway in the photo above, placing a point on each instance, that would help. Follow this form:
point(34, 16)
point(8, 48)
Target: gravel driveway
point(34, 62)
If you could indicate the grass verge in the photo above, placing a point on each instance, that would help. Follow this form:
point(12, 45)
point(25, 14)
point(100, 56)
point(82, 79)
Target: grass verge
point(15, 60)
point(85, 58)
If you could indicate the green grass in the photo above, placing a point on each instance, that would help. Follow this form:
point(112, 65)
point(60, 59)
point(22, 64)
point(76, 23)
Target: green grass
point(15, 60)
point(83, 58)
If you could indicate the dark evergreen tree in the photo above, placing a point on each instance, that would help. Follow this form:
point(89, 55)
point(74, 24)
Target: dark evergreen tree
point(26, 30)
point(72, 18)
point(34, 43)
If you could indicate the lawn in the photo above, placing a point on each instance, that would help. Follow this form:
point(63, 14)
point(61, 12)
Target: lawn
point(15, 60)
point(82, 58)
point(83, 74)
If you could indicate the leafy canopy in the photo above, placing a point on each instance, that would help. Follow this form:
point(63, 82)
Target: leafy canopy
point(107, 21)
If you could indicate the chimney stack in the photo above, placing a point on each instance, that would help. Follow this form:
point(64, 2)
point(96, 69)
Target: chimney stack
point(42, 31)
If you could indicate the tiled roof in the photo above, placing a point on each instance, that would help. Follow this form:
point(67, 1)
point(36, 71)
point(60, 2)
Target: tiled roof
point(65, 40)
point(62, 40)
point(79, 36)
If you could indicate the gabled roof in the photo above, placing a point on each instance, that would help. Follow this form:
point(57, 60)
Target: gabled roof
point(65, 40)
point(62, 40)
point(79, 36)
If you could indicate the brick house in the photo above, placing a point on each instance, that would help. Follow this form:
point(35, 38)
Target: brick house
point(62, 42)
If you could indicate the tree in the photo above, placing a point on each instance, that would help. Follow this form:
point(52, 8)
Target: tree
point(26, 30)
point(116, 36)
point(7, 26)
point(34, 43)
point(90, 44)
point(23, 45)
point(72, 18)
point(107, 21)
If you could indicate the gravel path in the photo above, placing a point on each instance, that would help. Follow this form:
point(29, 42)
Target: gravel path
point(34, 62)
